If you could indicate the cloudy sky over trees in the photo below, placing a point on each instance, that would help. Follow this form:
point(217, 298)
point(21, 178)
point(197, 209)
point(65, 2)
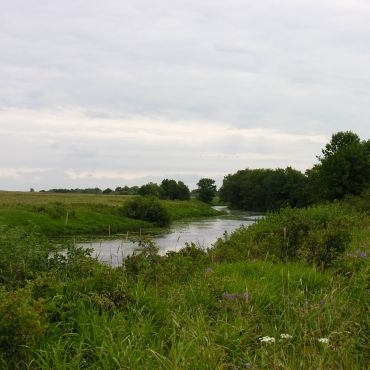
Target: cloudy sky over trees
point(109, 93)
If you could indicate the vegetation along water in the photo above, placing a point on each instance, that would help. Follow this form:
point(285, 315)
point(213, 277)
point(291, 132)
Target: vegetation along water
point(290, 291)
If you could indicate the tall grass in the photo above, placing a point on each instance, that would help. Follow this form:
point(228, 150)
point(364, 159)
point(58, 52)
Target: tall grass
point(193, 309)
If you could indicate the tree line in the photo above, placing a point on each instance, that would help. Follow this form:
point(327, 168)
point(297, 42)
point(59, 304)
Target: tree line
point(167, 189)
point(343, 169)
point(126, 190)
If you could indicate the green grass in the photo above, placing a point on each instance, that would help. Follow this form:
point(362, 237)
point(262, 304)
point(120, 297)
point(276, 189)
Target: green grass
point(104, 319)
point(188, 310)
point(72, 214)
point(18, 198)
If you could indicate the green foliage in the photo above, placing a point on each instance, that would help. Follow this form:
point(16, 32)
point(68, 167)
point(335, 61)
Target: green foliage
point(150, 189)
point(314, 235)
point(126, 190)
point(265, 189)
point(147, 209)
point(22, 322)
point(361, 202)
point(107, 191)
point(22, 255)
point(174, 190)
point(74, 214)
point(206, 190)
point(189, 310)
point(343, 169)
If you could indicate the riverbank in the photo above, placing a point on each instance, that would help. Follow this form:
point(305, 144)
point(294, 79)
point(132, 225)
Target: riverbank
point(84, 214)
point(233, 307)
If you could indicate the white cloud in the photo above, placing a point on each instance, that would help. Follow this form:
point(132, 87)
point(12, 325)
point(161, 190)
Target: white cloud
point(184, 88)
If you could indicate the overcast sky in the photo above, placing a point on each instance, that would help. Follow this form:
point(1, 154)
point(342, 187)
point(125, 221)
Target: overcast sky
point(113, 93)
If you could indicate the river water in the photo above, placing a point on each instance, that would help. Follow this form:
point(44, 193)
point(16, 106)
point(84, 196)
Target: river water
point(202, 232)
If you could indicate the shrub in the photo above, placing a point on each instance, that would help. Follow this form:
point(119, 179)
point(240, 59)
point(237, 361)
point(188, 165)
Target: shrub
point(22, 255)
point(22, 321)
point(147, 209)
point(315, 235)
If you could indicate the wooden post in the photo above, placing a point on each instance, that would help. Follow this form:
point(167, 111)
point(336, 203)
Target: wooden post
point(109, 230)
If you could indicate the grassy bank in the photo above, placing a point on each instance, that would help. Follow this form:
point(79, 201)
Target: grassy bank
point(233, 307)
point(71, 214)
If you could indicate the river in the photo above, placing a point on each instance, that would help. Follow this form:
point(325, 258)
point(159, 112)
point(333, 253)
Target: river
point(202, 232)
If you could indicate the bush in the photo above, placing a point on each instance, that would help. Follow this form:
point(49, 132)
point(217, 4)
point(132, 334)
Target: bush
point(147, 209)
point(22, 321)
point(22, 255)
point(315, 235)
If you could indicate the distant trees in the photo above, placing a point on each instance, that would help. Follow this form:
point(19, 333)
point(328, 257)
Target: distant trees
point(206, 190)
point(168, 189)
point(265, 189)
point(174, 190)
point(126, 190)
point(81, 191)
point(150, 189)
point(343, 168)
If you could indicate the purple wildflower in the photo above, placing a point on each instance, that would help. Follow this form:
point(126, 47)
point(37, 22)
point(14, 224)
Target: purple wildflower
point(229, 296)
point(237, 295)
point(248, 365)
point(322, 302)
point(209, 270)
point(363, 254)
point(246, 296)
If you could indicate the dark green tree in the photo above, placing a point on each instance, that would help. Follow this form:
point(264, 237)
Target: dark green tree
point(183, 191)
point(169, 189)
point(151, 189)
point(147, 209)
point(107, 191)
point(174, 190)
point(343, 168)
point(206, 190)
point(265, 189)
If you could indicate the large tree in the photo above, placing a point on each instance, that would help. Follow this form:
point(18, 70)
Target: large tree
point(206, 190)
point(150, 189)
point(174, 190)
point(265, 189)
point(343, 168)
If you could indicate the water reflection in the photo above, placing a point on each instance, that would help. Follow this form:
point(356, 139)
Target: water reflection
point(202, 232)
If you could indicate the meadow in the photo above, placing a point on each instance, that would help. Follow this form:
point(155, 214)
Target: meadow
point(84, 214)
point(261, 298)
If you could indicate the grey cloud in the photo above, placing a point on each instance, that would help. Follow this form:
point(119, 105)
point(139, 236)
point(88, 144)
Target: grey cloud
point(295, 67)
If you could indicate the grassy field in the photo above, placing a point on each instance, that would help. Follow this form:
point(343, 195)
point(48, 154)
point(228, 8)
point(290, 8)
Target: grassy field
point(72, 214)
point(232, 307)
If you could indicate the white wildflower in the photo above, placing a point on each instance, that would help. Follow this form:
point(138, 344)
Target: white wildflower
point(285, 336)
point(323, 340)
point(267, 339)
